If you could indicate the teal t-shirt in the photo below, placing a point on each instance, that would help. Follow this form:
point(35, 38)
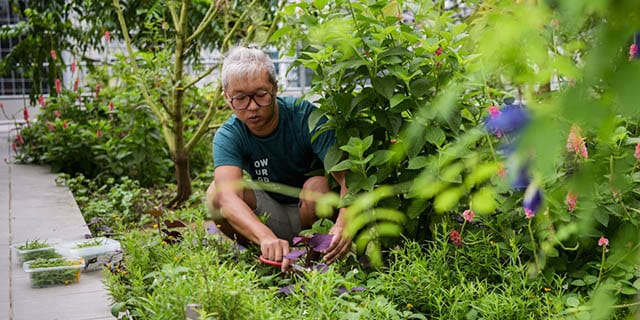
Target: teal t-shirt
point(286, 156)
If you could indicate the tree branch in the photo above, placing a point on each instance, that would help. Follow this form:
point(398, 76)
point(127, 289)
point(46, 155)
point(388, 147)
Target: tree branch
point(204, 124)
point(213, 9)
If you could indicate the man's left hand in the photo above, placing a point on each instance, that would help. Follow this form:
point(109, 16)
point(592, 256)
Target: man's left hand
point(340, 245)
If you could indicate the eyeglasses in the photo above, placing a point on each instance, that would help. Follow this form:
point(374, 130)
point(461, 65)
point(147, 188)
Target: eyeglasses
point(262, 98)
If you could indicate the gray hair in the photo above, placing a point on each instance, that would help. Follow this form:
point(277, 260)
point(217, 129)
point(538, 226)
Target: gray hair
point(242, 62)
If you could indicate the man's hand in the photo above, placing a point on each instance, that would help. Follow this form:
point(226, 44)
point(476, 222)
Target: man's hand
point(340, 244)
point(274, 249)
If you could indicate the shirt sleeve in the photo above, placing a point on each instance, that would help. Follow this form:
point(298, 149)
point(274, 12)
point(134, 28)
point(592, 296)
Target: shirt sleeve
point(226, 150)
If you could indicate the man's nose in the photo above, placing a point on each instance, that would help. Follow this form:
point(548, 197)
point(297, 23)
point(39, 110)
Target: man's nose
point(253, 105)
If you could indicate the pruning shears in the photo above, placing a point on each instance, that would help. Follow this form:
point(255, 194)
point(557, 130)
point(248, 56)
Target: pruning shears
point(294, 266)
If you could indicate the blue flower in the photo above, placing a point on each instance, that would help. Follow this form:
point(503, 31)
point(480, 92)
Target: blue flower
point(512, 119)
point(532, 200)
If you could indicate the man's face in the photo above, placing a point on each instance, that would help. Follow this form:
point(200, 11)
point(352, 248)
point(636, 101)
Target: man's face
point(253, 100)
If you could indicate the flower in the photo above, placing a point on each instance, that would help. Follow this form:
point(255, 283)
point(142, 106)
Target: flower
point(58, 86)
point(637, 153)
point(576, 143)
point(42, 101)
point(511, 119)
point(1, 105)
point(633, 51)
point(455, 238)
point(571, 200)
point(74, 65)
point(532, 200)
point(25, 114)
point(50, 125)
point(97, 89)
point(438, 51)
point(14, 147)
point(57, 113)
point(99, 133)
point(19, 139)
point(468, 215)
point(110, 106)
point(54, 56)
point(603, 242)
point(107, 36)
point(65, 124)
point(501, 170)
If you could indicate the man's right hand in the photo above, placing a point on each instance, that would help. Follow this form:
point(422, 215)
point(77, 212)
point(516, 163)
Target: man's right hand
point(274, 249)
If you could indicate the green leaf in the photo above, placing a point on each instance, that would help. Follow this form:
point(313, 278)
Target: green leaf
point(320, 4)
point(447, 200)
point(381, 156)
point(384, 86)
point(601, 216)
point(572, 301)
point(342, 166)
point(397, 99)
point(435, 135)
point(418, 162)
point(314, 117)
point(484, 201)
point(117, 308)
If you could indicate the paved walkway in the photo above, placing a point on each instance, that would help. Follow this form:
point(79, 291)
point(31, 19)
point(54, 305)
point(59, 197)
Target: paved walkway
point(32, 206)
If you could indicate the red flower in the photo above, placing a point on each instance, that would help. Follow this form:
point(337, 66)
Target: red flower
point(97, 89)
point(76, 83)
point(571, 200)
point(14, 147)
point(57, 113)
point(637, 153)
point(25, 113)
point(455, 238)
point(438, 51)
point(99, 133)
point(50, 125)
point(19, 139)
point(633, 51)
point(54, 56)
point(58, 86)
point(42, 101)
point(65, 124)
point(110, 106)
point(107, 35)
point(73, 67)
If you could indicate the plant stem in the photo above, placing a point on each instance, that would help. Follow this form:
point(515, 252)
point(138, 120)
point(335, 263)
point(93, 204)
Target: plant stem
point(534, 249)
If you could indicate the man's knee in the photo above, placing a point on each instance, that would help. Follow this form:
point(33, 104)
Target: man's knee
point(212, 204)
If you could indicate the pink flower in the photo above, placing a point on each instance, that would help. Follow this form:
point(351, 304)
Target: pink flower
point(571, 200)
point(50, 125)
point(603, 242)
point(110, 106)
point(494, 112)
point(576, 143)
point(637, 153)
point(97, 89)
point(438, 51)
point(54, 56)
point(633, 51)
point(468, 215)
point(76, 83)
point(455, 238)
point(107, 36)
point(57, 113)
point(99, 133)
point(528, 213)
point(42, 101)
point(14, 147)
point(58, 86)
point(65, 124)
point(74, 65)
point(25, 113)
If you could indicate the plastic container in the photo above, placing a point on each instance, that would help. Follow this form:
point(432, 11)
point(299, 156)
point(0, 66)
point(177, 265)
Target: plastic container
point(25, 255)
point(59, 271)
point(96, 252)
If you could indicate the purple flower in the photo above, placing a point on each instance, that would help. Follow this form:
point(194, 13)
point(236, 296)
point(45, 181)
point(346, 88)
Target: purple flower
point(532, 200)
point(522, 179)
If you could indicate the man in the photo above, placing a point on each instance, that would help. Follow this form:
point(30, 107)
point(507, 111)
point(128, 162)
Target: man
point(269, 138)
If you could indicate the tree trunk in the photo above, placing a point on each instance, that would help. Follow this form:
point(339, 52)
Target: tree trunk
point(181, 161)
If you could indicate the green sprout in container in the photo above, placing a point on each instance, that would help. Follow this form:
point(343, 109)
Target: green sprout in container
point(87, 244)
point(36, 249)
point(54, 272)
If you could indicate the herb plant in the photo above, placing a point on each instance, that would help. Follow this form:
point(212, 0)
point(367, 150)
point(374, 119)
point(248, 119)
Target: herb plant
point(54, 272)
point(37, 249)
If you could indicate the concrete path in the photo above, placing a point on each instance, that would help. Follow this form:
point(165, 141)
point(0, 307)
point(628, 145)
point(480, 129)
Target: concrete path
point(33, 206)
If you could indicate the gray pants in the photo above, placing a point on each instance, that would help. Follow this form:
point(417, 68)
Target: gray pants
point(282, 219)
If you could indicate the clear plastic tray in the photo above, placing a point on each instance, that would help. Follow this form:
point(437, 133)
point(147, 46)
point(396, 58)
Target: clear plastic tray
point(32, 254)
point(105, 251)
point(42, 277)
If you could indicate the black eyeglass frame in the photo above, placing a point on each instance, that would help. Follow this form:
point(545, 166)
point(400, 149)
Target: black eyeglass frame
point(251, 97)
